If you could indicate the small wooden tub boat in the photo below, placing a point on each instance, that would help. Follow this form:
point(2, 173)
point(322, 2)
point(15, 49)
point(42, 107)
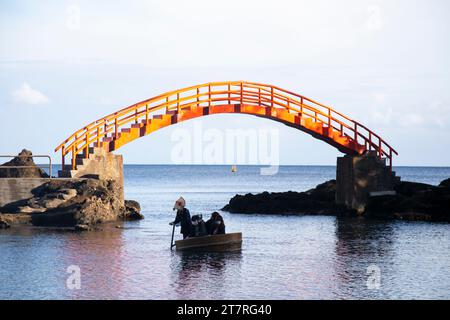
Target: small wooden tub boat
point(218, 242)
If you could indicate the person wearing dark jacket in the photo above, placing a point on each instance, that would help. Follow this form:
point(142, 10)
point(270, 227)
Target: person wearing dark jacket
point(215, 224)
point(183, 217)
point(198, 226)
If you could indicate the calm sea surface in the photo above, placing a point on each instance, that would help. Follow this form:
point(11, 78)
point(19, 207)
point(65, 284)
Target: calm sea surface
point(283, 257)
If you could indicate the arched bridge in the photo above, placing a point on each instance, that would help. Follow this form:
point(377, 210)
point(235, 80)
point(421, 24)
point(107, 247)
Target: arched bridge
point(262, 100)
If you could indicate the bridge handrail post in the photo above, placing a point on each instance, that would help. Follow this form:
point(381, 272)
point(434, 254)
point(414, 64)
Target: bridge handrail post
point(73, 157)
point(87, 145)
point(390, 159)
point(301, 107)
point(209, 94)
point(229, 93)
point(178, 102)
point(242, 93)
point(380, 148)
point(98, 136)
point(116, 127)
point(63, 156)
point(271, 96)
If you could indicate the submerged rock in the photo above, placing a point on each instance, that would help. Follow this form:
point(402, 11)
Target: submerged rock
point(24, 159)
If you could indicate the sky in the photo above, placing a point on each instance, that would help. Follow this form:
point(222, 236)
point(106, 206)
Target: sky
point(383, 63)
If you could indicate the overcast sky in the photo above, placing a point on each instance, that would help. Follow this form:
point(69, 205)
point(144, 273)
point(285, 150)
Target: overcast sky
point(384, 63)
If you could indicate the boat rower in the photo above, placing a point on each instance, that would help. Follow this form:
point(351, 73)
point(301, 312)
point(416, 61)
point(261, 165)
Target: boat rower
point(183, 217)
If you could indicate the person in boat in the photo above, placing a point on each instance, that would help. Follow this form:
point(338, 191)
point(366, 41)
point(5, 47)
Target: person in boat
point(215, 224)
point(183, 217)
point(198, 226)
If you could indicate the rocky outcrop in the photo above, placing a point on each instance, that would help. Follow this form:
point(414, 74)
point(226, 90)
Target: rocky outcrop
point(132, 211)
point(29, 170)
point(411, 201)
point(320, 200)
point(4, 224)
point(76, 203)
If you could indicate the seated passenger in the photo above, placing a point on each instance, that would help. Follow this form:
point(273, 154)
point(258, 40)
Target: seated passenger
point(215, 224)
point(198, 226)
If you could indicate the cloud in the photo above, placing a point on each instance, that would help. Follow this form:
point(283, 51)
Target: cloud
point(28, 95)
point(412, 119)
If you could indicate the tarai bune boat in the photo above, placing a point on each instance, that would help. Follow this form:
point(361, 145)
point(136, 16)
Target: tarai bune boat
point(218, 242)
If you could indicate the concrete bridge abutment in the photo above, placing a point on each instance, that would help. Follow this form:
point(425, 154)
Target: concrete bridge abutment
point(360, 177)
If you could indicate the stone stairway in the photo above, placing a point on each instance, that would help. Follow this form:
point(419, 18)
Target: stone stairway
point(82, 163)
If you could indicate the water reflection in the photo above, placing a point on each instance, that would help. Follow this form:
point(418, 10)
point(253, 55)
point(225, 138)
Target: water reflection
point(360, 243)
point(364, 238)
point(99, 256)
point(208, 268)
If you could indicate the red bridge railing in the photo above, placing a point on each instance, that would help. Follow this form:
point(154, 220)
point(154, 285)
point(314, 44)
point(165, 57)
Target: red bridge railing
point(219, 93)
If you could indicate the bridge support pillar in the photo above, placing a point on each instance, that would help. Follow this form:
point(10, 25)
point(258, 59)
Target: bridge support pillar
point(359, 177)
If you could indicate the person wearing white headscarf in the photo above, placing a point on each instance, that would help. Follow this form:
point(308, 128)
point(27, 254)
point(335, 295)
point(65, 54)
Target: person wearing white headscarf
point(183, 217)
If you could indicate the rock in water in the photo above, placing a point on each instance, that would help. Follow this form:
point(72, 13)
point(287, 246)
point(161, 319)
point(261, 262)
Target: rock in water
point(445, 183)
point(132, 211)
point(4, 224)
point(413, 201)
point(320, 200)
point(24, 159)
point(67, 203)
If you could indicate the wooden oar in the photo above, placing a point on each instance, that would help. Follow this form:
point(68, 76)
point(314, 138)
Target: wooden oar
point(171, 241)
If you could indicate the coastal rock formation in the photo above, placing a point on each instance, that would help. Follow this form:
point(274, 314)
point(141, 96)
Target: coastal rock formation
point(411, 201)
point(4, 224)
point(25, 160)
point(132, 211)
point(320, 200)
point(75, 203)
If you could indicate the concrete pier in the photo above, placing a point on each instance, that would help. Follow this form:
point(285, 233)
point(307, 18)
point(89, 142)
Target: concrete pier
point(359, 177)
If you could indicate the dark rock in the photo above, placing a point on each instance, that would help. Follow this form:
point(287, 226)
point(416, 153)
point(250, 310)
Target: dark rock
point(320, 200)
point(445, 183)
point(25, 160)
point(409, 189)
point(4, 224)
point(132, 211)
point(413, 201)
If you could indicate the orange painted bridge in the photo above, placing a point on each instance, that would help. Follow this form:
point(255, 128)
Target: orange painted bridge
point(262, 100)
